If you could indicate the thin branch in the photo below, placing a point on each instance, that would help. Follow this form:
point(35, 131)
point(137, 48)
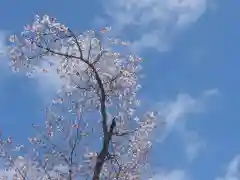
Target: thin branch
point(53, 145)
point(73, 149)
point(76, 41)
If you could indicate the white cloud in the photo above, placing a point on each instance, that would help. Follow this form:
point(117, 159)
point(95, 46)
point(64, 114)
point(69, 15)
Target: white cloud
point(175, 113)
point(48, 83)
point(194, 144)
point(2, 43)
point(158, 21)
point(172, 175)
point(233, 170)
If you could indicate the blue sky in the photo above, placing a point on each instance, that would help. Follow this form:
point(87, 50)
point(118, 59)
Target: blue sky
point(191, 61)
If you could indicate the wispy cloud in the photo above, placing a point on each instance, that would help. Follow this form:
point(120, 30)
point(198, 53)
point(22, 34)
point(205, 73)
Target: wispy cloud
point(233, 170)
point(194, 144)
point(48, 83)
point(175, 113)
point(2, 43)
point(171, 175)
point(155, 22)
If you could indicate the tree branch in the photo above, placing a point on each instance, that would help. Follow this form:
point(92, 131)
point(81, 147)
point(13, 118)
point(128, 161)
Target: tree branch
point(107, 134)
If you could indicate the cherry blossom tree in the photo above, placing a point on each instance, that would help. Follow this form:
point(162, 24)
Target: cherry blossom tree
point(91, 129)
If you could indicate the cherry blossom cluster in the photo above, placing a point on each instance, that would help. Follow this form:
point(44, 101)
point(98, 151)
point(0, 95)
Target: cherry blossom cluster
point(95, 106)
